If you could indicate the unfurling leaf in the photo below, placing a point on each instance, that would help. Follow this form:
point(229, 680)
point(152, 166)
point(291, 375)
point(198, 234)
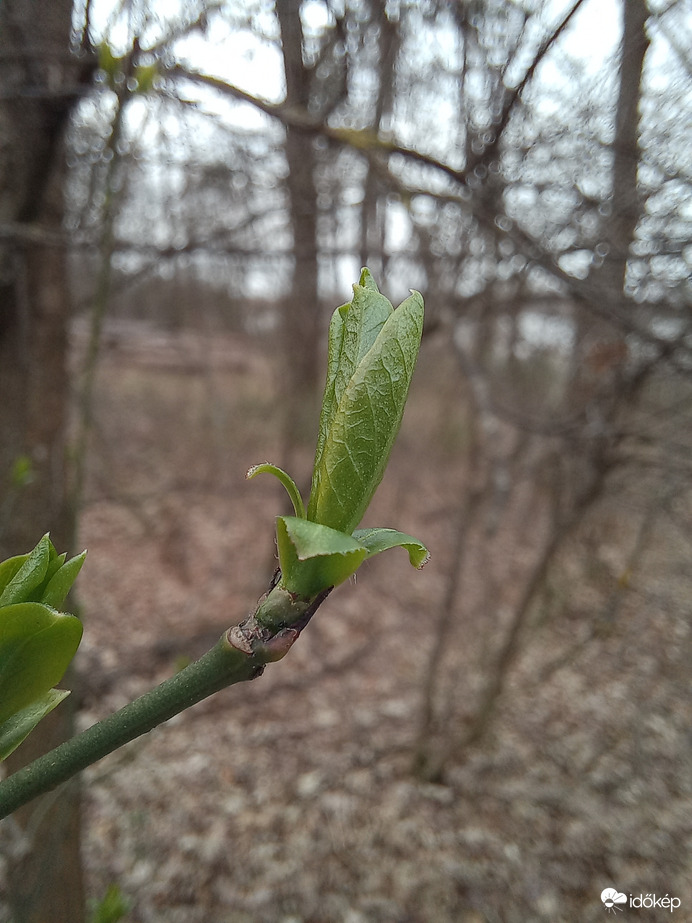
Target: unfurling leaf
point(314, 557)
point(286, 480)
point(37, 642)
point(29, 576)
point(43, 575)
point(371, 357)
point(61, 582)
point(377, 540)
point(373, 353)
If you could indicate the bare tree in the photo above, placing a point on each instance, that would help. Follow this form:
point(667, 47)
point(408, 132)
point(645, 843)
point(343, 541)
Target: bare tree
point(561, 457)
point(300, 324)
point(626, 204)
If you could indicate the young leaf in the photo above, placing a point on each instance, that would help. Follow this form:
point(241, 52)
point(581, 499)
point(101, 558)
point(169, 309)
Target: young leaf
point(9, 568)
point(55, 562)
point(314, 557)
point(21, 724)
point(60, 584)
point(335, 345)
point(36, 646)
point(286, 480)
point(364, 318)
point(377, 540)
point(353, 330)
point(365, 422)
point(29, 576)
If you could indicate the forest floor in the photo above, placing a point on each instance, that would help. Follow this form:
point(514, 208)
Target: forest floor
point(291, 799)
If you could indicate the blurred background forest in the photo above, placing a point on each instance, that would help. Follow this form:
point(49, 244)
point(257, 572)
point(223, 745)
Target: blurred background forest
point(187, 190)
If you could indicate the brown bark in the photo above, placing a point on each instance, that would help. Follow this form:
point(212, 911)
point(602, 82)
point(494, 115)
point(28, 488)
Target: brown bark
point(625, 201)
point(37, 90)
point(300, 328)
point(372, 229)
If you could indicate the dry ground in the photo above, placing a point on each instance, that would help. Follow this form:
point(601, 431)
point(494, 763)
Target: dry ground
point(290, 799)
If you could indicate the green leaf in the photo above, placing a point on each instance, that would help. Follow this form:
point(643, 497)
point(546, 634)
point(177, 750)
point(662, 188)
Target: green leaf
point(55, 562)
point(372, 354)
point(29, 576)
point(36, 646)
point(335, 345)
point(377, 540)
point(286, 480)
point(314, 557)
point(60, 584)
point(9, 568)
point(21, 724)
point(353, 330)
point(365, 419)
point(364, 318)
point(41, 576)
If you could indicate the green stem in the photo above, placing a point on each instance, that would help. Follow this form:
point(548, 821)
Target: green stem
point(222, 666)
point(240, 655)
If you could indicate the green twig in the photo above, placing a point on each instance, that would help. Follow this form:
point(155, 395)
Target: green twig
point(239, 655)
point(222, 666)
point(372, 353)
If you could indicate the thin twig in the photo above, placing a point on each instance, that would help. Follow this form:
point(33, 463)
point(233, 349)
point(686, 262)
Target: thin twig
point(240, 655)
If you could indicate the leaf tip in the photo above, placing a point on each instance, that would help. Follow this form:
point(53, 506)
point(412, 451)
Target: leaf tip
point(422, 561)
point(287, 481)
point(366, 280)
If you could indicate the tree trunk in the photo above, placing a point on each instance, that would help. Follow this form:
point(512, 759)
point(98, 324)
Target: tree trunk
point(625, 203)
point(625, 200)
point(372, 227)
point(37, 86)
point(300, 328)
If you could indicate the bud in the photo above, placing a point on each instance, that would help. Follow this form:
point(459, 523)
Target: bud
point(371, 357)
point(37, 642)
